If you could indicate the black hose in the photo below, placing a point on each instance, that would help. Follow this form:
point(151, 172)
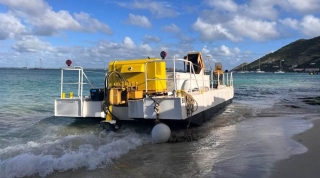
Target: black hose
point(106, 104)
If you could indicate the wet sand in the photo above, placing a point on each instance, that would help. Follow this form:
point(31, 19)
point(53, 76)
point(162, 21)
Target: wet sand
point(302, 165)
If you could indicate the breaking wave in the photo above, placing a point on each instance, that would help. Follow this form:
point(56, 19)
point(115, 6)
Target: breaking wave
point(69, 153)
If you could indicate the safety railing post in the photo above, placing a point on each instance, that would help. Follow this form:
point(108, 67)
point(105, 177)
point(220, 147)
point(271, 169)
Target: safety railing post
point(61, 83)
point(146, 76)
point(228, 79)
point(174, 76)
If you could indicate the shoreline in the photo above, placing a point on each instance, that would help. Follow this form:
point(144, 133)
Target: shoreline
point(302, 165)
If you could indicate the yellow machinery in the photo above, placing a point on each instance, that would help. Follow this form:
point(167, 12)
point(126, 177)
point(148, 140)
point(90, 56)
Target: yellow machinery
point(217, 74)
point(218, 68)
point(127, 79)
point(132, 79)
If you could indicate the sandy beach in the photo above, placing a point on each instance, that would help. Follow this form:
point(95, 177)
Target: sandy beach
point(302, 165)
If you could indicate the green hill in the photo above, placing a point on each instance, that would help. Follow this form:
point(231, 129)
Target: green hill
point(300, 54)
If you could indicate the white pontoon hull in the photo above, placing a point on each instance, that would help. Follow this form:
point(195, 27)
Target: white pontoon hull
point(171, 108)
point(176, 96)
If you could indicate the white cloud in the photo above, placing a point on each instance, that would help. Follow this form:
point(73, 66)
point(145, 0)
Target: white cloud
point(91, 24)
point(256, 19)
point(179, 34)
point(292, 23)
point(258, 9)
point(237, 50)
point(159, 9)
point(255, 29)
point(149, 39)
point(138, 20)
point(185, 39)
point(145, 47)
point(128, 43)
point(305, 5)
point(32, 44)
point(40, 17)
point(226, 51)
point(31, 7)
point(210, 32)
point(126, 49)
point(205, 50)
point(10, 26)
point(225, 9)
point(173, 28)
point(310, 25)
point(51, 22)
point(227, 5)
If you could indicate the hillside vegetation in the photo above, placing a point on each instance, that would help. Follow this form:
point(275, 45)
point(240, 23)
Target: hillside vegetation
point(297, 55)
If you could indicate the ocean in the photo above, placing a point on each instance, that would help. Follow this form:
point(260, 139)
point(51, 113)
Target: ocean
point(244, 139)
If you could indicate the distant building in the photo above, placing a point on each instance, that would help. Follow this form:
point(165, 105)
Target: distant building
point(311, 69)
point(298, 69)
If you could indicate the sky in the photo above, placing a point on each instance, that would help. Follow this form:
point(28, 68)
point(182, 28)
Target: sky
point(93, 33)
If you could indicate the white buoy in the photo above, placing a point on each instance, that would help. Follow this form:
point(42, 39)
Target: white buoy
point(160, 133)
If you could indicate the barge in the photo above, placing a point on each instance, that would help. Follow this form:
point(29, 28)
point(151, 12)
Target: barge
point(146, 90)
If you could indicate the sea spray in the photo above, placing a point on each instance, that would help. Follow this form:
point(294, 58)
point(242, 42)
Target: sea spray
point(60, 155)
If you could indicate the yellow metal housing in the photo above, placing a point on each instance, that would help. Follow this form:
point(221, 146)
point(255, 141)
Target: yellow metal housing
point(218, 68)
point(135, 94)
point(115, 96)
point(135, 72)
point(132, 68)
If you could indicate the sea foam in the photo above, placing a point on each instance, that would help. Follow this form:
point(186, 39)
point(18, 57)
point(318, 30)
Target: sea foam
point(69, 153)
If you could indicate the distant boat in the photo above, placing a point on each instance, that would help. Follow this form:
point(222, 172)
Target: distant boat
point(259, 70)
point(243, 71)
point(313, 73)
point(280, 71)
point(26, 67)
point(37, 68)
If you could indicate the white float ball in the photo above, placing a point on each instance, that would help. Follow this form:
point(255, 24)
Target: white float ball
point(160, 133)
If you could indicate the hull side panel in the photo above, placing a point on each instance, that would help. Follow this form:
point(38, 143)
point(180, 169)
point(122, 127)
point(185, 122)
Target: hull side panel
point(200, 118)
point(68, 107)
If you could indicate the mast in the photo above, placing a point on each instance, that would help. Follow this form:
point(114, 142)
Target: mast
point(259, 64)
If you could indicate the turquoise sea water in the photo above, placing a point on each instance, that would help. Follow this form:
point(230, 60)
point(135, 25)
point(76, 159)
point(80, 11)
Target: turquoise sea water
point(35, 143)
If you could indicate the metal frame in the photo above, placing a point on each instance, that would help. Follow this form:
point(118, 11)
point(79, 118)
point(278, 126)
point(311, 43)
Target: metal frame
point(174, 73)
point(226, 80)
point(80, 83)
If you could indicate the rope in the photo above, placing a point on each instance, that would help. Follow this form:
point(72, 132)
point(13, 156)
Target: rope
point(156, 108)
point(190, 105)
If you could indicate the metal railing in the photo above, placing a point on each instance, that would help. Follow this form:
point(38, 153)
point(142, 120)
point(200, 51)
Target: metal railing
point(227, 79)
point(80, 82)
point(191, 72)
point(221, 79)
